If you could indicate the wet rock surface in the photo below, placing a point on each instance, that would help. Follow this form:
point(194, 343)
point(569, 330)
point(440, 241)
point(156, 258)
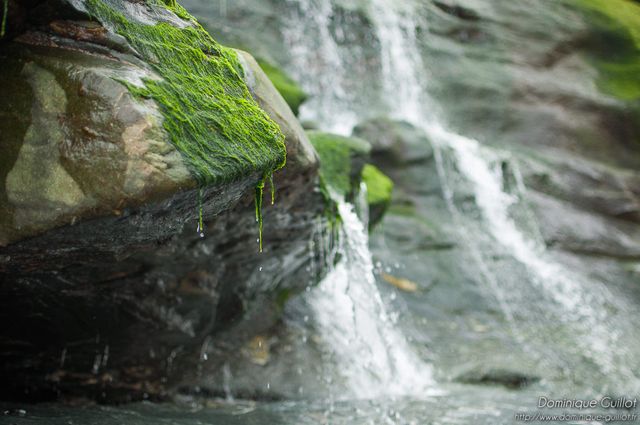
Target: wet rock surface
point(109, 291)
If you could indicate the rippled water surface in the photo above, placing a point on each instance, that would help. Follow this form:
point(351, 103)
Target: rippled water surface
point(460, 405)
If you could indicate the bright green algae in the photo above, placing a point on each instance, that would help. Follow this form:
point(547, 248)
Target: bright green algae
point(617, 51)
point(208, 111)
point(336, 153)
point(379, 186)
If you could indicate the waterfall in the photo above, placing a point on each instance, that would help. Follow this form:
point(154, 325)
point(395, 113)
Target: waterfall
point(374, 357)
point(318, 64)
point(402, 74)
point(559, 294)
point(581, 302)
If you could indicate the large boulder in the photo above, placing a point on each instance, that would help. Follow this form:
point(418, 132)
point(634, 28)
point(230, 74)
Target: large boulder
point(342, 160)
point(127, 259)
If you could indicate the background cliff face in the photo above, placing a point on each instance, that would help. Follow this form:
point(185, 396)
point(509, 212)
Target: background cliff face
point(512, 132)
point(556, 75)
point(554, 84)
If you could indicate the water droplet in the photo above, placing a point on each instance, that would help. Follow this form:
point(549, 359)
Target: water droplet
point(96, 364)
point(63, 357)
point(260, 269)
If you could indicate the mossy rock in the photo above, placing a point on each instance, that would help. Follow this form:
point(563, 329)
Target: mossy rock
point(100, 191)
point(288, 88)
point(301, 156)
point(208, 110)
point(379, 191)
point(341, 162)
point(615, 45)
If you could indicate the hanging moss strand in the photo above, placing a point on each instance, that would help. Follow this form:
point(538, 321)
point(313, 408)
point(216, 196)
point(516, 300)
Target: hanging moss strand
point(200, 219)
point(259, 196)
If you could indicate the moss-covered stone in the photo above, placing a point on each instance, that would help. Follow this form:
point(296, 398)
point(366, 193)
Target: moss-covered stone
point(617, 45)
point(379, 191)
point(288, 88)
point(95, 198)
point(208, 111)
point(341, 162)
point(379, 186)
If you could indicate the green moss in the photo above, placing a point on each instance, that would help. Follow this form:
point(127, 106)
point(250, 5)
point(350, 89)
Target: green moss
point(621, 13)
point(621, 80)
point(258, 200)
point(208, 111)
point(288, 88)
point(335, 165)
point(379, 186)
point(336, 156)
point(615, 46)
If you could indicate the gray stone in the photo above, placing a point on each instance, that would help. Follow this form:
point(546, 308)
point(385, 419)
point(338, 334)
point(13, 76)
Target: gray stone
point(395, 142)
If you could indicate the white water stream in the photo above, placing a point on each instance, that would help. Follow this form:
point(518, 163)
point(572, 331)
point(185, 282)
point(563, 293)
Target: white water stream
point(582, 303)
point(373, 355)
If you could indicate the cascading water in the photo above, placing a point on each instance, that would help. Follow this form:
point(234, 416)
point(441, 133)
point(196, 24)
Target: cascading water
point(582, 303)
point(373, 355)
point(318, 64)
